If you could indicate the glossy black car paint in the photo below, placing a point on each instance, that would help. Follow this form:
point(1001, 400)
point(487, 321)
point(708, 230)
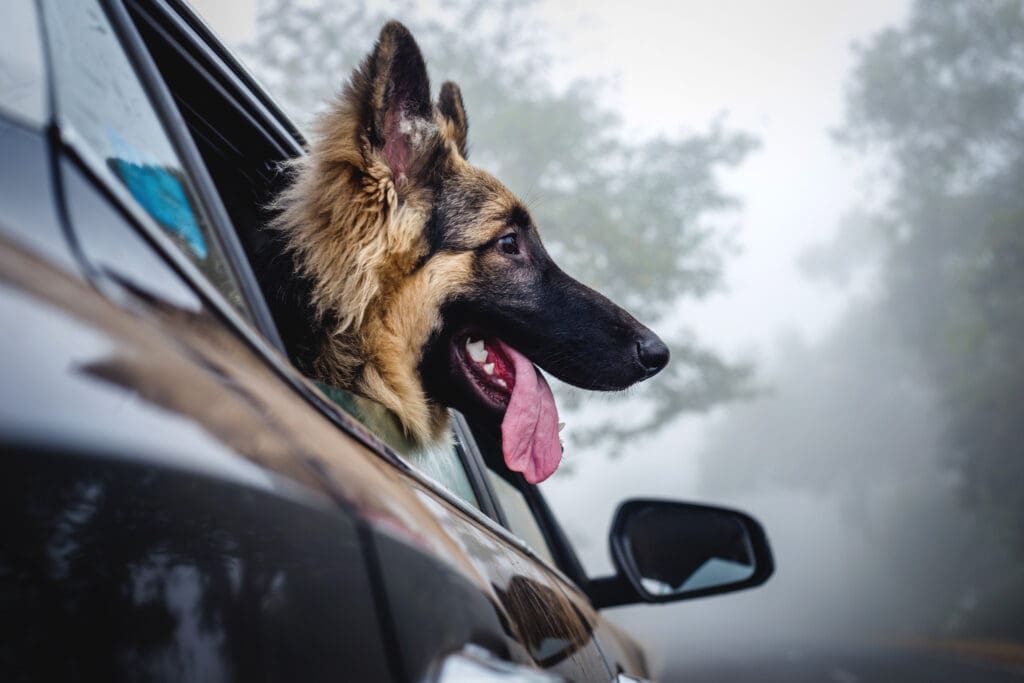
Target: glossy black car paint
point(115, 570)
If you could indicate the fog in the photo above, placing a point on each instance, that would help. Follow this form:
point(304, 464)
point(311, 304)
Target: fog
point(871, 279)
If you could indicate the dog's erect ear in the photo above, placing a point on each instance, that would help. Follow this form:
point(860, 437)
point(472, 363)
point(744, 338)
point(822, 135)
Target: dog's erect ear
point(451, 106)
point(394, 94)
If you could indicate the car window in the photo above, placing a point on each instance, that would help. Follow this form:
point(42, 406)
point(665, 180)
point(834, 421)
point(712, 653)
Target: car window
point(241, 158)
point(443, 462)
point(102, 106)
point(519, 517)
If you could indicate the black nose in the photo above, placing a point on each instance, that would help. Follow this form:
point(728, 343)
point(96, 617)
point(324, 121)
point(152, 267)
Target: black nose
point(652, 354)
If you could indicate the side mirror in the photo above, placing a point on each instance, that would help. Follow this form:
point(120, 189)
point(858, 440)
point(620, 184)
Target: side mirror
point(667, 551)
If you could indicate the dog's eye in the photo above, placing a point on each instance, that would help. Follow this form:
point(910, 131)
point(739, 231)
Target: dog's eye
point(509, 244)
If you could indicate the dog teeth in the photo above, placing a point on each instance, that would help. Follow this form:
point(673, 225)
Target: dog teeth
point(476, 350)
point(561, 426)
point(489, 368)
point(501, 383)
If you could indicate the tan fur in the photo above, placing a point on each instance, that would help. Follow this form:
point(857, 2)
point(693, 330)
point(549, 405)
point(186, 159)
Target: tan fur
point(359, 244)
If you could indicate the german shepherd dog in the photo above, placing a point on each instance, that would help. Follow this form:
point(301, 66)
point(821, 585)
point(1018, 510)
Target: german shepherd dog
point(428, 284)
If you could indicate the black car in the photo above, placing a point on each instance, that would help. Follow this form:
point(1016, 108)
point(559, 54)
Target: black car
point(179, 502)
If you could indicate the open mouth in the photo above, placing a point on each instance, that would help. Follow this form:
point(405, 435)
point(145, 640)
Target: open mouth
point(489, 371)
point(508, 383)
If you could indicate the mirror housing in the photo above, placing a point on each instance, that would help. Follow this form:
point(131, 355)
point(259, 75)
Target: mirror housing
point(666, 551)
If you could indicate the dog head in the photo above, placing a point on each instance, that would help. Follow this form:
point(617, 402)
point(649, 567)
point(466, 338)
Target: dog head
point(433, 273)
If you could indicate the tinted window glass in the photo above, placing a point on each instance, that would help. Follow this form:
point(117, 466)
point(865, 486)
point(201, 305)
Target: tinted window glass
point(441, 462)
point(102, 104)
point(518, 515)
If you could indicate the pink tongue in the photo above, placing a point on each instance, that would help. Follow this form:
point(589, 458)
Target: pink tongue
point(529, 431)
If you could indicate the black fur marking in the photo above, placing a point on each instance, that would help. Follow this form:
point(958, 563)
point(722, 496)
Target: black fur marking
point(362, 82)
point(409, 82)
point(433, 165)
point(397, 58)
point(466, 202)
point(518, 217)
point(436, 232)
point(408, 85)
point(451, 106)
point(456, 208)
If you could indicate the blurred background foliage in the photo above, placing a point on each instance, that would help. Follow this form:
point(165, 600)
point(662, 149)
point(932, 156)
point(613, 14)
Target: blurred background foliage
point(941, 101)
point(911, 411)
point(645, 221)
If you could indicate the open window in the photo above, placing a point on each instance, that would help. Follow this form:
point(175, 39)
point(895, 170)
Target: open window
point(244, 142)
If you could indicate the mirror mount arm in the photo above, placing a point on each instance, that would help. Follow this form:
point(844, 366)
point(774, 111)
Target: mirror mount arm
point(611, 591)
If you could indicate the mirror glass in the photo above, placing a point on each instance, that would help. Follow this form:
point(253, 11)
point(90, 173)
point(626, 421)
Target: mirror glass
point(676, 548)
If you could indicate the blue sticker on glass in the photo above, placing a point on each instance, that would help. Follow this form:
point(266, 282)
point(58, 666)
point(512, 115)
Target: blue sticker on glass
point(160, 192)
point(164, 198)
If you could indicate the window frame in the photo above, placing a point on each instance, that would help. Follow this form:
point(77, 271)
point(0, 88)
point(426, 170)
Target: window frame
point(201, 44)
point(192, 164)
